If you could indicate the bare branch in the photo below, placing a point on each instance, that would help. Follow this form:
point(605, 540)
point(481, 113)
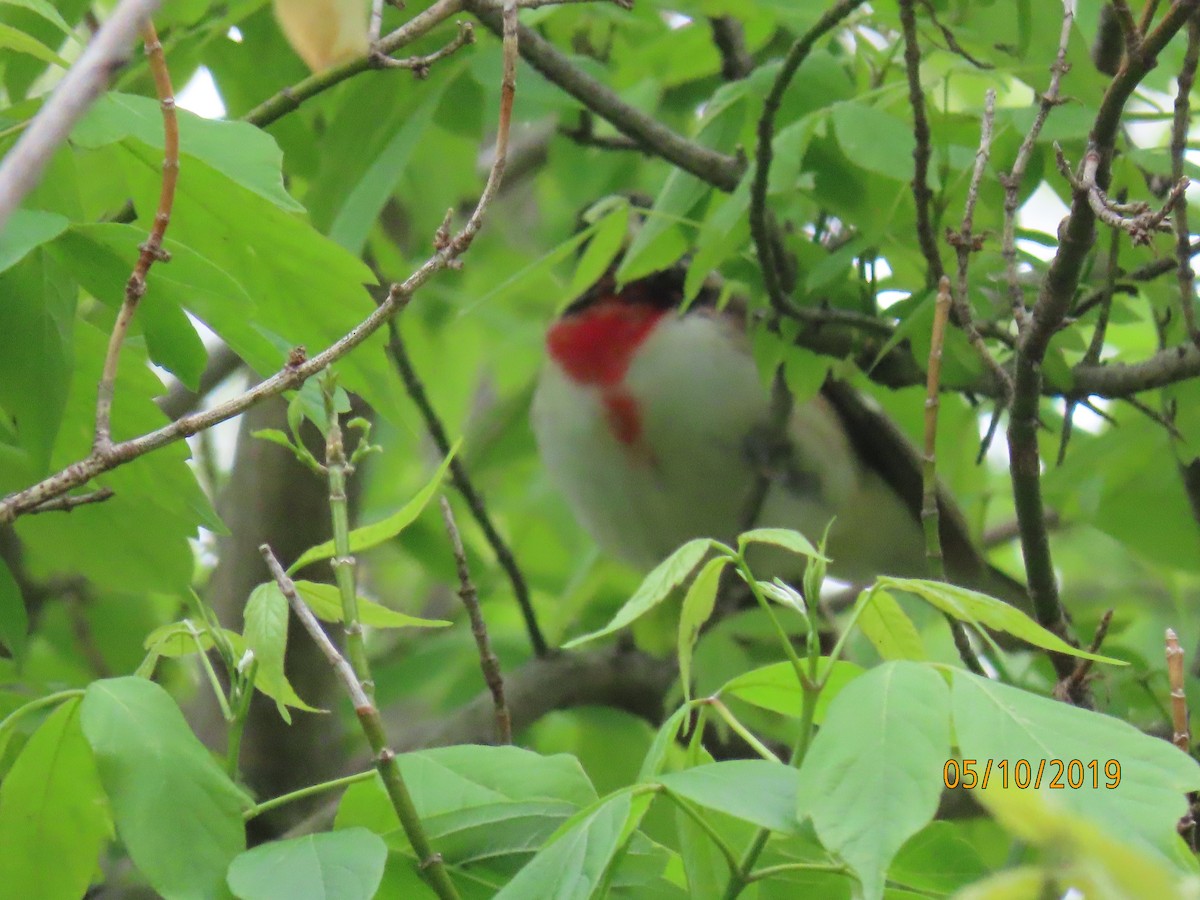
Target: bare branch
point(966, 242)
point(487, 658)
point(1012, 181)
point(466, 487)
point(68, 502)
point(922, 196)
point(1179, 132)
point(152, 250)
point(1076, 237)
point(419, 65)
point(730, 40)
point(105, 54)
point(300, 367)
point(1137, 219)
point(764, 243)
point(715, 168)
point(429, 863)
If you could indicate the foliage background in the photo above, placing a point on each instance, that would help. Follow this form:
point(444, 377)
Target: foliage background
point(274, 234)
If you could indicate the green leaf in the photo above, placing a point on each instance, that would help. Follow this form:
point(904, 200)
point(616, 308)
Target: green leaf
point(477, 803)
point(177, 813)
point(698, 605)
point(373, 535)
point(12, 39)
point(53, 818)
point(996, 722)
point(326, 603)
point(724, 232)
point(664, 741)
point(159, 491)
point(36, 336)
point(100, 257)
point(754, 790)
point(1093, 862)
point(245, 154)
point(774, 687)
point(980, 609)
point(658, 242)
point(656, 587)
point(780, 537)
point(14, 623)
point(872, 777)
point(575, 864)
point(874, 140)
point(26, 229)
point(266, 632)
point(608, 237)
point(337, 865)
point(172, 340)
point(362, 204)
point(43, 9)
point(888, 627)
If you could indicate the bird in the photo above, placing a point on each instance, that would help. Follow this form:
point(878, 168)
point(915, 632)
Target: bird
point(655, 426)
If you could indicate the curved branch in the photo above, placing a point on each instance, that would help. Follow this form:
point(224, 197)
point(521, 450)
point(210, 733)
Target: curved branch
point(717, 169)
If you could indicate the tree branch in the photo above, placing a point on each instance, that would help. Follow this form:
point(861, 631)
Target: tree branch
point(299, 367)
point(1054, 299)
point(152, 250)
point(106, 53)
point(715, 168)
point(463, 484)
point(470, 599)
point(922, 196)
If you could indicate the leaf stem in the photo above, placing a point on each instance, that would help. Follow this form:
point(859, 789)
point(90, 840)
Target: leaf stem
point(338, 468)
point(311, 790)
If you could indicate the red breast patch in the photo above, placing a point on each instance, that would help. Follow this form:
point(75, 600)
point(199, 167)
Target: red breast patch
point(595, 346)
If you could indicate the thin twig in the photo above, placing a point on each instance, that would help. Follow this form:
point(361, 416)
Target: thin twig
point(930, 517)
point(152, 250)
point(429, 863)
point(1158, 418)
point(1074, 684)
point(965, 242)
point(718, 169)
point(1129, 30)
point(1181, 735)
point(585, 135)
point(470, 598)
point(375, 29)
point(462, 482)
point(922, 195)
point(771, 266)
point(1096, 345)
point(105, 54)
point(730, 40)
point(300, 367)
point(1016, 175)
point(337, 470)
point(68, 502)
point(420, 65)
point(290, 98)
point(933, 378)
point(952, 43)
point(1148, 15)
point(1179, 218)
point(1137, 219)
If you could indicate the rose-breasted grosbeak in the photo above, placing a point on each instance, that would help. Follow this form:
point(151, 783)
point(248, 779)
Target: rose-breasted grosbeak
point(651, 424)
